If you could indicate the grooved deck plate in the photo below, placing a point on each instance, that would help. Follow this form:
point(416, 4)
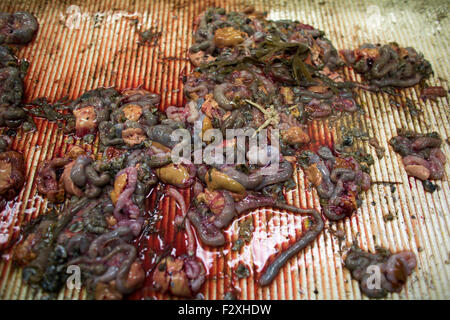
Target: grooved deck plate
point(85, 44)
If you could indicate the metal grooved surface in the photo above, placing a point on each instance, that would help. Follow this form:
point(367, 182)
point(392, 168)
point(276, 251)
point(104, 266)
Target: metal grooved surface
point(102, 50)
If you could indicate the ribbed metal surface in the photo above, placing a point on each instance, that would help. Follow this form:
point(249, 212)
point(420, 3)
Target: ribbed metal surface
point(104, 52)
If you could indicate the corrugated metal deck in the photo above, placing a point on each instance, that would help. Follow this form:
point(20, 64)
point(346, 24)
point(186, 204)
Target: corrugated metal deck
point(103, 50)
